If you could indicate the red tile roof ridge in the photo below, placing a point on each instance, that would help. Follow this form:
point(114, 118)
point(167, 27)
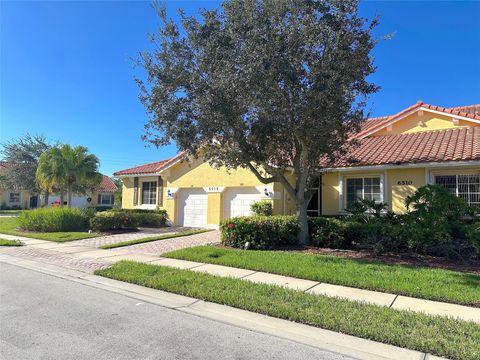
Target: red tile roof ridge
point(107, 185)
point(153, 167)
point(418, 104)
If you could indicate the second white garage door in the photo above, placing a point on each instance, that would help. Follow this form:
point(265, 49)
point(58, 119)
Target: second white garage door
point(239, 200)
point(193, 208)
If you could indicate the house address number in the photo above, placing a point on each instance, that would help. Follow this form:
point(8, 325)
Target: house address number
point(405, 182)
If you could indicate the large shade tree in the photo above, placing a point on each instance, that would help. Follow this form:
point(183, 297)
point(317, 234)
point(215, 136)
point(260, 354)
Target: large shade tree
point(272, 86)
point(67, 169)
point(21, 156)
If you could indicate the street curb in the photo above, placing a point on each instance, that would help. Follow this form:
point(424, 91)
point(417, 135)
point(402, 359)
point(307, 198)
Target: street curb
point(361, 349)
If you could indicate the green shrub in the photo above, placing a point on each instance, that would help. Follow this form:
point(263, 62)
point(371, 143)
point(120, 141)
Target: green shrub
point(142, 211)
point(367, 210)
point(156, 219)
point(260, 232)
point(472, 234)
point(262, 208)
point(54, 219)
point(102, 208)
point(328, 232)
point(433, 204)
point(146, 217)
point(113, 220)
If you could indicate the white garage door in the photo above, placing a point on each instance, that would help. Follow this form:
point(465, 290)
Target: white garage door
point(193, 208)
point(239, 200)
point(79, 201)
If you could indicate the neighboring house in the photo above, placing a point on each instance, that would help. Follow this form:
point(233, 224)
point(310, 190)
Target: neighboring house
point(103, 196)
point(14, 198)
point(394, 156)
point(23, 199)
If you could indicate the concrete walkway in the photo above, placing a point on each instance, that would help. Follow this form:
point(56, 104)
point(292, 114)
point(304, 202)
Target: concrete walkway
point(91, 259)
point(393, 301)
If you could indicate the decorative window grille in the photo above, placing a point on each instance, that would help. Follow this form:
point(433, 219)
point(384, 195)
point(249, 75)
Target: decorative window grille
point(466, 187)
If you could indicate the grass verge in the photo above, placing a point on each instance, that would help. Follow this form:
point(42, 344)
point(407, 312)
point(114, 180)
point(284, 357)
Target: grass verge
point(420, 282)
point(5, 242)
point(10, 212)
point(9, 225)
point(437, 335)
point(153, 238)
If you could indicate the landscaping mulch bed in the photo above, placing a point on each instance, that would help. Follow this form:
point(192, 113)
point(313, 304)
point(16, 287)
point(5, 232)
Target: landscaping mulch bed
point(414, 260)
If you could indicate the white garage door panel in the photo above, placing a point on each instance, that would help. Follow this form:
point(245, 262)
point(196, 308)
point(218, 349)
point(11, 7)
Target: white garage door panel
point(193, 208)
point(238, 201)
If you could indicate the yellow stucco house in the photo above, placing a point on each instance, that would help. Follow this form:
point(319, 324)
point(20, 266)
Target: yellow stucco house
point(394, 156)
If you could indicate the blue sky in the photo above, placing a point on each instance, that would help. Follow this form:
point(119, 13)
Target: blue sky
point(67, 70)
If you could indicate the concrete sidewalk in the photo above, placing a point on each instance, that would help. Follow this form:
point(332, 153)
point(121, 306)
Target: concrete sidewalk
point(92, 258)
point(325, 340)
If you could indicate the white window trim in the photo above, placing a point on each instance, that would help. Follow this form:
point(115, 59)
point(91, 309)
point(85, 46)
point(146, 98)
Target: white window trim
point(148, 205)
point(16, 202)
point(438, 174)
point(109, 195)
point(342, 199)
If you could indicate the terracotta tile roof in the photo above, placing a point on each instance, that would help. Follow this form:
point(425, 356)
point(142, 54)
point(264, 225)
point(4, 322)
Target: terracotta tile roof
point(3, 164)
point(387, 119)
point(150, 168)
point(471, 109)
point(369, 123)
point(459, 144)
point(107, 185)
point(465, 111)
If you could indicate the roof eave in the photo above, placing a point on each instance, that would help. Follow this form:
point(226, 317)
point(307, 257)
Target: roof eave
point(406, 165)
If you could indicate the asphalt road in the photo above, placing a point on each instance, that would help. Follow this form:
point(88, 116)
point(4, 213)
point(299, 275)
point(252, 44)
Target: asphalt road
point(44, 317)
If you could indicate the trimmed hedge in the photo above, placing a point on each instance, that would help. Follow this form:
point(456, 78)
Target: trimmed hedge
point(55, 219)
point(262, 208)
point(380, 236)
point(150, 220)
point(260, 232)
point(145, 217)
point(113, 220)
point(127, 219)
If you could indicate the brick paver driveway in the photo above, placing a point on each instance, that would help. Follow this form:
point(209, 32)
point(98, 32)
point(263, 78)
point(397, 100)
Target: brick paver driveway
point(80, 258)
point(52, 257)
point(162, 246)
point(117, 238)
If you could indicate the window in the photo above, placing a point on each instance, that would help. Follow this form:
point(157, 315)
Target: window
point(363, 188)
point(466, 187)
point(14, 198)
point(149, 192)
point(106, 199)
point(313, 208)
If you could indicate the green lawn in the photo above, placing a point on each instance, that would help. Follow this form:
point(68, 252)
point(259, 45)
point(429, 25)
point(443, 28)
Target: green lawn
point(4, 242)
point(9, 225)
point(441, 336)
point(153, 238)
point(420, 282)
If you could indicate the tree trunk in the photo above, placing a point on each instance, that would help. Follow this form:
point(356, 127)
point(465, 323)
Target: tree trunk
point(302, 218)
point(47, 194)
point(69, 200)
point(61, 198)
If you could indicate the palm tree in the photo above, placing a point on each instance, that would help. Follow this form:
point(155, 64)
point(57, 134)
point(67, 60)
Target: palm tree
point(50, 173)
point(71, 169)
